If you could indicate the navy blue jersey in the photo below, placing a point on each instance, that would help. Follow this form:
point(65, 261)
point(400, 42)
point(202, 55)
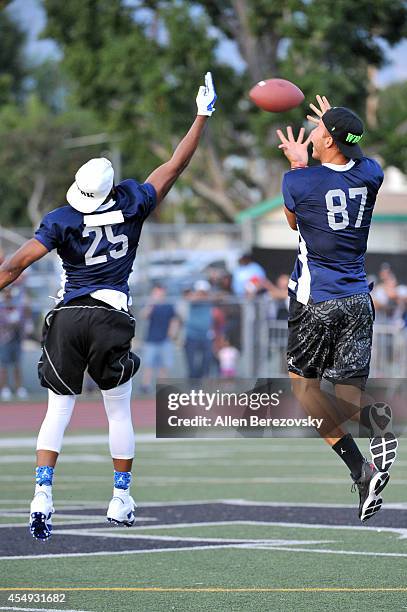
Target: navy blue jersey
point(98, 250)
point(333, 207)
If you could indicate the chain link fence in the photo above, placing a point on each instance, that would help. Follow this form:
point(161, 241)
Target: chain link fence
point(261, 341)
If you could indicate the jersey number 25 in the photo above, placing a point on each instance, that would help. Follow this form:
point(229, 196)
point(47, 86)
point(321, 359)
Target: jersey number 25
point(340, 208)
point(121, 239)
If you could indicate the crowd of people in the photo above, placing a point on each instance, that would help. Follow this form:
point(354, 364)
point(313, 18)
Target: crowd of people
point(15, 323)
point(390, 298)
point(205, 322)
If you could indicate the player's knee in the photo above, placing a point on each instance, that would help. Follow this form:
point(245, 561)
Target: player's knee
point(117, 402)
point(116, 393)
point(302, 387)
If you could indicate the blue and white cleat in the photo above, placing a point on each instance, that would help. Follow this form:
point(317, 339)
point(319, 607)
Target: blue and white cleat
point(41, 511)
point(121, 510)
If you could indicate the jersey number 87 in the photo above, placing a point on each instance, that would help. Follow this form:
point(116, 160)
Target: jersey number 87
point(341, 207)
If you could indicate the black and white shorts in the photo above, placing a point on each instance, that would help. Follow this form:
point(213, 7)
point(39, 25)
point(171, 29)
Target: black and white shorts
point(86, 333)
point(331, 339)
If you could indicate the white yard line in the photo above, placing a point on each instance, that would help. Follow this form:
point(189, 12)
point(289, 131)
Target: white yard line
point(38, 609)
point(30, 442)
point(165, 481)
point(402, 532)
point(141, 438)
point(327, 551)
point(65, 458)
point(67, 504)
point(208, 547)
point(80, 505)
point(71, 504)
point(107, 553)
point(213, 460)
point(127, 535)
point(58, 520)
point(248, 502)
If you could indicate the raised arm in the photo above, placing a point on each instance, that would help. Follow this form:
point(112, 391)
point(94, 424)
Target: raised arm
point(12, 267)
point(296, 152)
point(163, 177)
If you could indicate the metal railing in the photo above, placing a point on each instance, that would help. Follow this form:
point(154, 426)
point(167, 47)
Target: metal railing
point(389, 351)
point(388, 360)
point(262, 342)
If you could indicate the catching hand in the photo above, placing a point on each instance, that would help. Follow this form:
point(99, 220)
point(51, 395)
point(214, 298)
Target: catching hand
point(294, 150)
point(323, 107)
point(206, 97)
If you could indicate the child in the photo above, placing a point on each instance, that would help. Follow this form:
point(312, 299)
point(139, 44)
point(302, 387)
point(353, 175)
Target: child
point(228, 356)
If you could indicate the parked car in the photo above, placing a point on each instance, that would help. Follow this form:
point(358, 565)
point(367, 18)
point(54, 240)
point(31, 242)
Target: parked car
point(181, 265)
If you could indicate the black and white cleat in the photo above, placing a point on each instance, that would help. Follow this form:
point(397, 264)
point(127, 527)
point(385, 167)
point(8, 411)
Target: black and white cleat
point(370, 484)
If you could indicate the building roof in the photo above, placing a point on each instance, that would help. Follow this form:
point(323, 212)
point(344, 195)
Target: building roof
point(390, 207)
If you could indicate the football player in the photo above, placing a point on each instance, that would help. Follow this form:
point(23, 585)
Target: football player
point(331, 312)
point(96, 236)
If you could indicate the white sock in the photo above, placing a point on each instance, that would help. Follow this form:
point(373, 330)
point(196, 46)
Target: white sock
point(118, 411)
point(123, 493)
point(47, 489)
point(60, 408)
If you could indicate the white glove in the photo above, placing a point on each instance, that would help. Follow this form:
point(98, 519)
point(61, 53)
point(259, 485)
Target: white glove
point(206, 97)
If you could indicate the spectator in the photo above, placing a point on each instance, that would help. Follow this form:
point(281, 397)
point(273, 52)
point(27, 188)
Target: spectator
point(218, 327)
point(228, 356)
point(247, 276)
point(214, 276)
point(12, 323)
point(279, 294)
point(199, 330)
point(389, 298)
point(232, 311)
point(158, 348)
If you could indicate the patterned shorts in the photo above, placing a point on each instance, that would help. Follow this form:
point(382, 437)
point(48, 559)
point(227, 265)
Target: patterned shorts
point(331, 339)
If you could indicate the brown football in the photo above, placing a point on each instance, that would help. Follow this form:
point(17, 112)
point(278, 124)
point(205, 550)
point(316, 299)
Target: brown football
point(276, 95)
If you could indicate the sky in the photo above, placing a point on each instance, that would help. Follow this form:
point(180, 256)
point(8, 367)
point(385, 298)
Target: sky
point(31, 16)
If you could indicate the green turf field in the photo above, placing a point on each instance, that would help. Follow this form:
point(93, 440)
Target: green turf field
point(273, 528)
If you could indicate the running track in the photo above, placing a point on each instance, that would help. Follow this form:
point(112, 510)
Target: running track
point(27, 416)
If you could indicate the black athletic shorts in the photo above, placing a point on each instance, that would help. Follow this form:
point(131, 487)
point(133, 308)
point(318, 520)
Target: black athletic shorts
point(331, 339)
point(86, 333)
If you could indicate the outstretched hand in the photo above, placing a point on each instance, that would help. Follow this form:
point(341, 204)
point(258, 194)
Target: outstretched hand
point(295, 150)
point(206, 97)
point(324, 105)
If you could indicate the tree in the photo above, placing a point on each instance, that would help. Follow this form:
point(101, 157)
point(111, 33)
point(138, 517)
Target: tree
point(137, 66)
point(36, 168)
point(36, 119)
point(391, 130)
point(12, 71)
